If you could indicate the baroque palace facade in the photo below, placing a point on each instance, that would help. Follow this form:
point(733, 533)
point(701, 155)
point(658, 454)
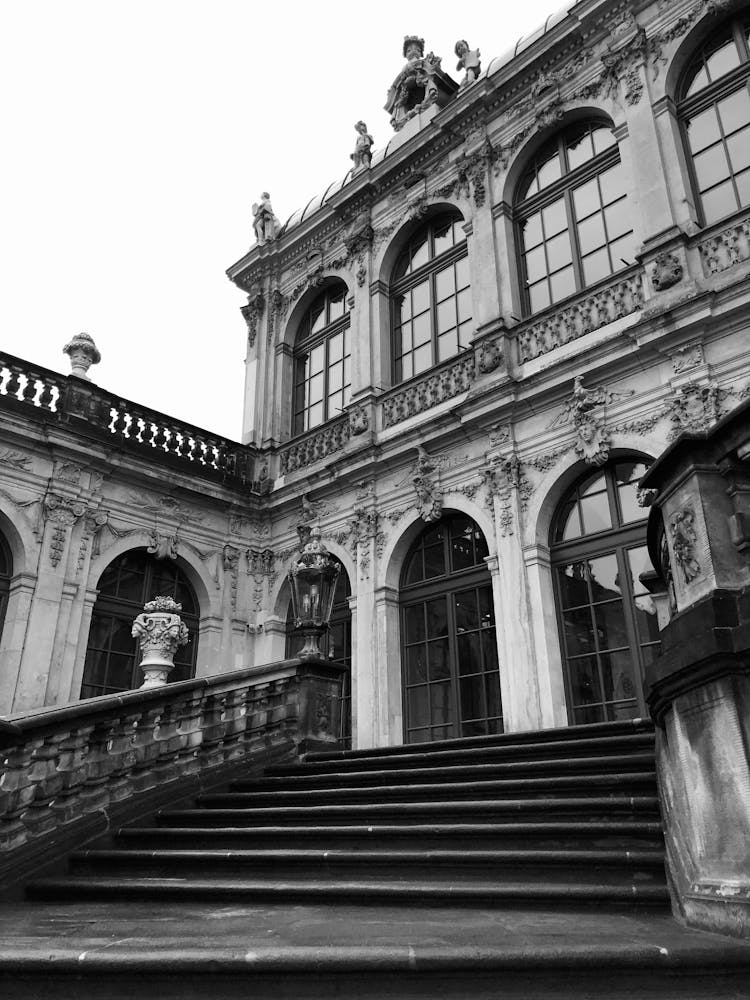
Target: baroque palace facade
point(462, 357)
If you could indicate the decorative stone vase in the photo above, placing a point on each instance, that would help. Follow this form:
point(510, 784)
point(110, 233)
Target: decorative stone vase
point(160, 630)
point(83, 353)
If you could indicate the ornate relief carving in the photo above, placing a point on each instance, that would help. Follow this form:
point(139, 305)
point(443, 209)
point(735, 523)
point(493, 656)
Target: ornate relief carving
point(68, 472)
point(727, 248)
point(167, 506)
point(429, 391)
point(687, 358)
point(230, 557)
point(499, 435)
point(425, 478)
point(14, 459)
point(163, 546)
point(588, 314)
point(252, 312)
point(329, 440)
point(359, 421)
point(260, 565)
point(489, 355)
point(666, 270)
point(63, 512)
point(585, 411)
point(694, 407)
point(681, 26)
point(502, 477)
point(684, 541)
point(364, 529)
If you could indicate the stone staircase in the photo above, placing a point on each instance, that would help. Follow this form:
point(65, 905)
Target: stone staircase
point(421, 871)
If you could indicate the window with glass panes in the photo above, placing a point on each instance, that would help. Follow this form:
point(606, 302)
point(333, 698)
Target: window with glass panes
point(6, 572)
point(715, 114)
point(336, 645)
point(451, 675)
point(112, 654)
point(607, 619)
point(431, 297)
point(322, 360)
point(573, 223)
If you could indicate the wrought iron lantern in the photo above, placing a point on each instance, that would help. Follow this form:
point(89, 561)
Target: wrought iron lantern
point(312, 580)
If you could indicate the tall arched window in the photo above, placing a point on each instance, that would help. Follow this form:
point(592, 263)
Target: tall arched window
point(322, 360)
point(608, 628)
point(336, 645)
point(6, 572)
point(573, 224)
point(451, 678)
point(112, 653)
point(714, 108)
point(431, 297)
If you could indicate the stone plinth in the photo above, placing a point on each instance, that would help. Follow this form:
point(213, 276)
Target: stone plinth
point(699, 688)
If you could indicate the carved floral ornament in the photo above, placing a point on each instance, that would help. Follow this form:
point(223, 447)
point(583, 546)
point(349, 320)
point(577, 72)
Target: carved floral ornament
point(684, 541)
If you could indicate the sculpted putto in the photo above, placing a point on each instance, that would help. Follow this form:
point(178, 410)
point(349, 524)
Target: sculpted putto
point(468, 60)
point(362, 155)
point(265, 223)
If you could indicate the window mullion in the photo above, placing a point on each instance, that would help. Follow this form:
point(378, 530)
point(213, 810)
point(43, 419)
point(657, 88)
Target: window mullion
point(574, 243)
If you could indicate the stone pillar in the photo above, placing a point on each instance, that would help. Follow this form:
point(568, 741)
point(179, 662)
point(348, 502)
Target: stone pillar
point(545, 635)
point(699, 688)
point(378, 708)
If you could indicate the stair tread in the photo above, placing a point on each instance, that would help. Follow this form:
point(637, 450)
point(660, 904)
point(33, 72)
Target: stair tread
point(590, 826)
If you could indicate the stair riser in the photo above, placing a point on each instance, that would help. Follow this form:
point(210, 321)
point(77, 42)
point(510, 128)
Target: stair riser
point(620, 785)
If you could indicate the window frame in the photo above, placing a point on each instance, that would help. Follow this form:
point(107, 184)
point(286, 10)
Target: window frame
point(427, 271)
point(563, 188)
point(688, 107)
point(305, 344)
point(6, 563)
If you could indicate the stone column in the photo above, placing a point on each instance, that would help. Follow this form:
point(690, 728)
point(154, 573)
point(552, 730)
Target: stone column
point(545, 636)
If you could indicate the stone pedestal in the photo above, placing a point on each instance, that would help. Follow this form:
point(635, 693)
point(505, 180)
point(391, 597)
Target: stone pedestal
point(699, 688)
point(319, 719)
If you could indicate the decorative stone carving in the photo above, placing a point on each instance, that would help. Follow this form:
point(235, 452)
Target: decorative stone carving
point(68, 472)
point(583, 411)
point(364, 528)
point(163, 546)
point(260, 565)
point(362, 155)
point(160, 631)
point(419, 84)
point(14, 459)
point(644, 498)
point(694, 407)
point(666, 270)
point(588, 314)
point(359, 421)
point(503, 476)
point(230, 561)
point(499, 435)
point(63, 512)
point(687, 358)
point(469, 61)
point(727, 248)
point(265, 223)
point(252, 313)
point(429, 391)
point(83, 353)
point(329, 440)
point(427, 487)
point(489, 355)
point(684, 541)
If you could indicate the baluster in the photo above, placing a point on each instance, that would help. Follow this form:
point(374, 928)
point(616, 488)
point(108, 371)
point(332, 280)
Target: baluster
point(168, 740)
point(123, 756)
point(46, 397)
point(159, 439)
point(234, 724)
point(191, 735)
point(69, 803)
point(213, 731)
point(13, 385)
point(39, 817)
point(29, 390)
point(146, 749)
point(120, 424)
point(99, 766)
point(16, 794)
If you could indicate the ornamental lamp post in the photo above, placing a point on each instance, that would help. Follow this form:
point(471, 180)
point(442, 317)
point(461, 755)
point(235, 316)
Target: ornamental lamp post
point(312, 580)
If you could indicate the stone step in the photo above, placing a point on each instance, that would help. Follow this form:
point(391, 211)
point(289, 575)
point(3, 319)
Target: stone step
point(553, 809)
point(443, 892)
point(607, 763)
point(598, 784)
point(384, 865)
point(462, 752)
point(460, 836)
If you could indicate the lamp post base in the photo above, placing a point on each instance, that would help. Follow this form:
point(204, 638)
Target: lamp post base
point(311, 649)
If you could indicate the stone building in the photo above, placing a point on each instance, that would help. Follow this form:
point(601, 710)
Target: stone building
point(461, 358)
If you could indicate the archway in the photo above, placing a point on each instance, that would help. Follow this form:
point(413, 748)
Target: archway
point(450, 669)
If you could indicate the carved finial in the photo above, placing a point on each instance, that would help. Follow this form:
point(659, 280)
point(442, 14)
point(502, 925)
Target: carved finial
point(83, 353)
point(362, 155)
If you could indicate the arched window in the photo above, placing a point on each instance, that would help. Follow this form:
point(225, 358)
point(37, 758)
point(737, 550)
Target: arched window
point(607, 619)
point(336, 645)
point(431, 297)
point(573, 224)
point(714, 109)
point(112, 656)
point(451, 678)
point(6, 572)
point(322, 360)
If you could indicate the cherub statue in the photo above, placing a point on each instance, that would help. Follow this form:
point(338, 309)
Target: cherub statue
point(265, 223)
point(362, 155)
point(468, 60)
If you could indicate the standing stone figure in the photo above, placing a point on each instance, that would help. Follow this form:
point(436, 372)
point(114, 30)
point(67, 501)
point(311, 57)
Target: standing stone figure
point(415, 86)
point(468, 60)
point(362, 155)
point(265, 223)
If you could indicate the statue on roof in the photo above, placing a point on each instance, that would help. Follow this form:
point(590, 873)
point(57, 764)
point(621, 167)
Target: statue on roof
point(362, 155)
point(468, 60)
point(419, 84)
point(265, 223)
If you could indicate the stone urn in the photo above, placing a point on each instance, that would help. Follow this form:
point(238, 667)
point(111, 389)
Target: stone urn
point(160, 630)
point(83, 353)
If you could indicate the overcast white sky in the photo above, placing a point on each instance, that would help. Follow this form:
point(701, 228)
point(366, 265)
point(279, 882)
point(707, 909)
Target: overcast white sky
point(136, 137)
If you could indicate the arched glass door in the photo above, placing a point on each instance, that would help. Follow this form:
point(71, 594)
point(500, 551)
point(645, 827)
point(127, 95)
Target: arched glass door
point(451, 676)
point(112, 653)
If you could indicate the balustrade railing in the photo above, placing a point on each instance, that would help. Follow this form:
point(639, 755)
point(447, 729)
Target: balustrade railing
point(60, 765)
point(52, 396)
point(726, 248)
point(424, 393)
point(587, 313)
point(315, 445)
